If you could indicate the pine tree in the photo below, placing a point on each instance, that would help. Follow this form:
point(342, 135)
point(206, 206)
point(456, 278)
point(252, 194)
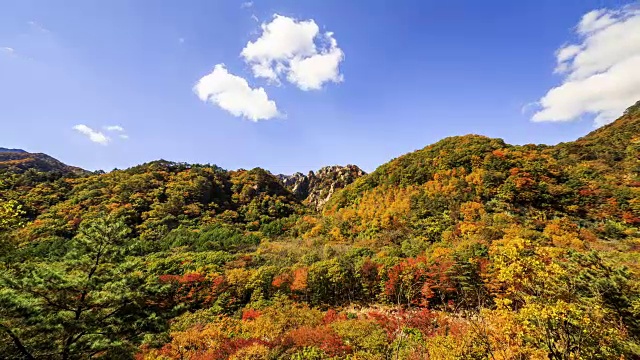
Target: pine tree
point(95, 300)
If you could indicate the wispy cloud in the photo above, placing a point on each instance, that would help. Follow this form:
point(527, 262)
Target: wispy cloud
point(246, 4)
point(117, 129)
point(528, 108)
point(93, 135)
point(114, 128)
point(8, 51)
point(38, 27)
point(99, 137)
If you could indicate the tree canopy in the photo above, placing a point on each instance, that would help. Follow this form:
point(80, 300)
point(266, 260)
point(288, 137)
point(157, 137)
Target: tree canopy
point(470, 248)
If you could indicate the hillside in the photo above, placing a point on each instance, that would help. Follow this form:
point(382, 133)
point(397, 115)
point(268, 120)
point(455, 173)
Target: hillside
point(11, 150)
point(469, 248)
point(593, 181)
point(17, 160)
point(154, 198)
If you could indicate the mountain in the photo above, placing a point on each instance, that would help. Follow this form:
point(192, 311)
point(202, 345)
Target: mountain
point(594, 180)
point(159, 196)
point(17, 160)
point(11, 150)
point(316, 188)
point(470, 248)
point(614, 145)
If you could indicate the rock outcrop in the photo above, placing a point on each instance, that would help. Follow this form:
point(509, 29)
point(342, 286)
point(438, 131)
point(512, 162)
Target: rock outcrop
point(317, 187)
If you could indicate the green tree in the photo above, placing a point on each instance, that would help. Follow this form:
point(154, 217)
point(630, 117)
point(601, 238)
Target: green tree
point(94, 301)
point(10, 215)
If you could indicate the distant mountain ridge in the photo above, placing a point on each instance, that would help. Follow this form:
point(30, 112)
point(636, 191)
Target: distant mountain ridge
point(18, 160)
point(2, 150)
point(315, 188)
point(611, 147)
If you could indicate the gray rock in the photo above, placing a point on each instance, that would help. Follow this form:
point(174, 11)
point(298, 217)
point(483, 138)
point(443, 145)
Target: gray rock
point(317, 187)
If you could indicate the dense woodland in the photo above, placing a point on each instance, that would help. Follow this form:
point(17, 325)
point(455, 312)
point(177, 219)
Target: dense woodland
point(467, 249)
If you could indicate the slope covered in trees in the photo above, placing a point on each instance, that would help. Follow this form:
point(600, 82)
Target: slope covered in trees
point(18, 160)
point(470, 248)
point(592, 181)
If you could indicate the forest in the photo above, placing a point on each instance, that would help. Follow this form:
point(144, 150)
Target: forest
point(469, 248)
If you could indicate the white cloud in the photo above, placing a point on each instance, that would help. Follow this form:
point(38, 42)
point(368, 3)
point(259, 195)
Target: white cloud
point(601, 72)
point(93, 135)
point(118, 129)
point(282, 38)
point(114, 128)
point(246, 4)
point(596, 20)
point(38, 27)
point(566, 53)
point(233, 94)
point(310, 73)
point(529, 107)
point(295, 50)
point(8, 50)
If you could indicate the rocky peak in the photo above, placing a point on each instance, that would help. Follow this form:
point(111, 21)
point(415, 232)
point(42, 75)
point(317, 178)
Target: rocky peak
point(297, 183)
point(317, 187)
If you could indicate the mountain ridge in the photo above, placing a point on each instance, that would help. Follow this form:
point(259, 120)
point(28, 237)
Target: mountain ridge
point(11, 150)
point(17, 160)
point(297, 179)
point(533, 244)
point(525, 180)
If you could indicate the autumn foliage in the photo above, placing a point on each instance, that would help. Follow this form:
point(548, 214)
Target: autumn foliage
point(467, 249)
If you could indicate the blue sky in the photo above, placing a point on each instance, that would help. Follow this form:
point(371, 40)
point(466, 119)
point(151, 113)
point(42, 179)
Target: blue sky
point(412, 72)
